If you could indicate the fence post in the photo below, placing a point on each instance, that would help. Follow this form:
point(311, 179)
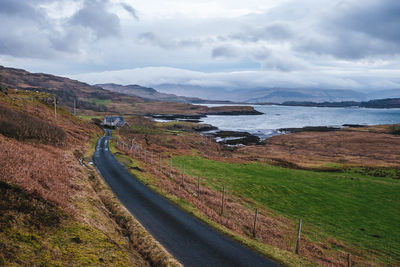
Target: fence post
point(255, 223)
point(170, 167)
point(198, 187)
point(55, 107)
point(160, 162)
point(223, 200)
point(298, 238)
point(348, 260)
point(183, 174)
point(145, 151)
point(151, 159)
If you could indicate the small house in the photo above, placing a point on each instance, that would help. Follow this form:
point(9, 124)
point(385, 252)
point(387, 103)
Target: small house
point(113, 121)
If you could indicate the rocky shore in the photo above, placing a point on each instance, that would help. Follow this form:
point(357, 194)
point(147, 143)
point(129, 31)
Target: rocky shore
point(233, 138)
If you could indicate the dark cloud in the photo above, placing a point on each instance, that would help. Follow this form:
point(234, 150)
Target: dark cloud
point(23, 31)
point(378, 19)
point(94, 16)
point(225, 52)
point(272, 32)
point(21, 8)
point(166, 42)
point(130, 10)
point(357, 30)
point(27, 30)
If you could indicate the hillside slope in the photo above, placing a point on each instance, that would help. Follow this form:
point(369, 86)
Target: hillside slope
point(95, 100)
point(54, 208)
point(87, 97)
point(146, 93)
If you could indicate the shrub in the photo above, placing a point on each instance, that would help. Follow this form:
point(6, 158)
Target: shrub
point(21, 126)
point(395, 129)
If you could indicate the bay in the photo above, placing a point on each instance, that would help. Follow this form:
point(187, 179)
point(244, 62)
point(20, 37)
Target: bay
point(276, 117)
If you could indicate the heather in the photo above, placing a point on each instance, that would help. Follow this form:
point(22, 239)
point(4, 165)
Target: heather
point(21, 126)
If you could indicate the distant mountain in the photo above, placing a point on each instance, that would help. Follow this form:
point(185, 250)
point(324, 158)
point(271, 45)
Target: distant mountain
point(375, 103)
point(264, 95)
point(145, 92)
point(382, 94)
point(280, 95)
point(152, 94)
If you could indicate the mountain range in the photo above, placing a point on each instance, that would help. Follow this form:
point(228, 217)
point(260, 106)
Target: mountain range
point(94, 97)
point(276, 95)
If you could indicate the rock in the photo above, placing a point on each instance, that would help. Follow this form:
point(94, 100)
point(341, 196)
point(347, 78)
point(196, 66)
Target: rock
point(237, 138)
point(172, 117)
point(353, 125)
point(4, 90)
point(309, 129)
point(247, 141)
point(234, 112)
point(206, 128)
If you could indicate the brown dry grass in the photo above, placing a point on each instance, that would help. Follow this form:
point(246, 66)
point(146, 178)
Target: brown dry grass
point(315, 149)
point(54, 174)
point(48, 170)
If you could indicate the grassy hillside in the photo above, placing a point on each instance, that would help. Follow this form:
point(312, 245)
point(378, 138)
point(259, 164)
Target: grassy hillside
point(55, 211)
point(346, 206)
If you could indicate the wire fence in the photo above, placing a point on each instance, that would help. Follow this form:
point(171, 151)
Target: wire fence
point(226, 208)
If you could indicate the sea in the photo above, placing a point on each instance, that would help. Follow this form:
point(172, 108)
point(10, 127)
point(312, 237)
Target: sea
point(276, 117)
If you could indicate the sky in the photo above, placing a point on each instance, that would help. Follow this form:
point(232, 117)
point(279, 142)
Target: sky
point(334, 44)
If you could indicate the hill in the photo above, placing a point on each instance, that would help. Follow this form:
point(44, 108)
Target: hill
point(54, 208)
point(279, 95)
point(87, 97)
point(147, 93)
point(264, 94)
point(376, 103)
point(92, 99)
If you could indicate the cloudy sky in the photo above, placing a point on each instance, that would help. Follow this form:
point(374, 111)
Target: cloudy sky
point(350, 44)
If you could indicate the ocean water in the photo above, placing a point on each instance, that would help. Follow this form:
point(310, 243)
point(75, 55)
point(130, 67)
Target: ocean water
point(276, 117)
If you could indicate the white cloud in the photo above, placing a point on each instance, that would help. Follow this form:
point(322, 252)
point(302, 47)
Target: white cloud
point(333, 79)
point(232, 43)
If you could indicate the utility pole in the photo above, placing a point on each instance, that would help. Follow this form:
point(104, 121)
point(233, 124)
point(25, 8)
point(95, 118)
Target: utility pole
point(55, 107)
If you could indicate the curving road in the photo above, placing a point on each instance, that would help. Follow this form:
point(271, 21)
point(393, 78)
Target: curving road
point(190, 241)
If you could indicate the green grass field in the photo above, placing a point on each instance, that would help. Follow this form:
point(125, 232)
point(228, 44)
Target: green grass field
point(99, 102)
point(361, 210)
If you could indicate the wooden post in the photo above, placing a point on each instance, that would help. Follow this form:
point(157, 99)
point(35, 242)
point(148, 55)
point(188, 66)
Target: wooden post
point(133, 144)
point(170, 167)
point(151, 158)
point(198, 187)
point(255, 223)
point(74, 107)
point(183, 174)
point(298, 238)
point(348, 260)
point(145, 151)
point(160, 162)
point(223, 200)
point(55, 107)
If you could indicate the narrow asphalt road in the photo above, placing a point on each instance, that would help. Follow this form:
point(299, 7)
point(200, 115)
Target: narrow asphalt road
point(190, 241)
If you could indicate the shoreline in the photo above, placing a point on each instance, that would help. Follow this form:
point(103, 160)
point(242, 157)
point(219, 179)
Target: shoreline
point(238, 138)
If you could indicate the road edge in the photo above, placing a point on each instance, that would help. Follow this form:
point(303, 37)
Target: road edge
point(138, 236)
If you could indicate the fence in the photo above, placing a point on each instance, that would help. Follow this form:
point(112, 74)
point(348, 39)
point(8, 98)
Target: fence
point(223, 206)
